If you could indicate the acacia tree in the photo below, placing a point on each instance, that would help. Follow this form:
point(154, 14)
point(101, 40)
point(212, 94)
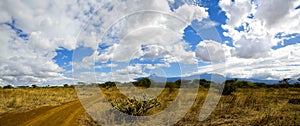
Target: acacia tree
point(285, 81)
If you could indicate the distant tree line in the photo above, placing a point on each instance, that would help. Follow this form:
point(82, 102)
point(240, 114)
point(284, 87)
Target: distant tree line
point(35, 86)
point(144, 83)
point(229, 85)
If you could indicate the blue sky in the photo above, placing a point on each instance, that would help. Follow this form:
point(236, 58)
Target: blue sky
point(69, 41)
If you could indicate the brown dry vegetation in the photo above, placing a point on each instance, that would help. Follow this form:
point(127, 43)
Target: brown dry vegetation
point(247, 106)
point(18, 105)
point(24, 99)
point(252, 107)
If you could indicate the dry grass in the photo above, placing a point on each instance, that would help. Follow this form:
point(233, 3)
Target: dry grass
point(265, 106)
point(24, 99)
point(244, 107)
point(257, 107)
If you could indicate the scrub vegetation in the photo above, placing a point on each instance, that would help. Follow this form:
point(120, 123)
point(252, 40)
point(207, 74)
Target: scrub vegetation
point(241, 103)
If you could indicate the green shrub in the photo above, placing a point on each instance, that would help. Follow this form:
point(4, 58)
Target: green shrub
point(107, 85)
point(260, 85)
point(34, 86)
point(23, 86)
point(66, 86)
point(204, 83)
point(179, 82)
point(8, 87)
point(144, 82)
point(229, 87)
point(244, 84)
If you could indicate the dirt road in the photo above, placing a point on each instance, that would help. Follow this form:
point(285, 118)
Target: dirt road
point(66, 115)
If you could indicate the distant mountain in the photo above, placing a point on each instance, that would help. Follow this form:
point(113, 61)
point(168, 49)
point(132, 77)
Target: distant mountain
point(259, 81)
point(211, 77)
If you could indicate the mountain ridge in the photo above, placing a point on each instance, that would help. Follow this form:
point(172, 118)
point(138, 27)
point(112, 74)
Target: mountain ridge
point(211, 77)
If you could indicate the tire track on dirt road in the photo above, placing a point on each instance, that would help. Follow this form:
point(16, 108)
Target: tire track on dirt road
point(63, 115)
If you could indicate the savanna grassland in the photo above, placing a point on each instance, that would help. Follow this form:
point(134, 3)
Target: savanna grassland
point(24, 99)
point(253, 107)
point(41, 106)
point(244, 106)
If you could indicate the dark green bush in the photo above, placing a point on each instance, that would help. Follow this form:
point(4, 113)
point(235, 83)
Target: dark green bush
point(179, 82)
point(23, 86)
point(8, 87)
point(144, 82)
point(107, 85)
point(244, 84)
point(204, 83)
point(66, 86)
point(260, 85)
point(34, 86)
point(229, 87)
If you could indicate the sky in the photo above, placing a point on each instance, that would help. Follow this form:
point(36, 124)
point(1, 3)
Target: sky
point(56, 42)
